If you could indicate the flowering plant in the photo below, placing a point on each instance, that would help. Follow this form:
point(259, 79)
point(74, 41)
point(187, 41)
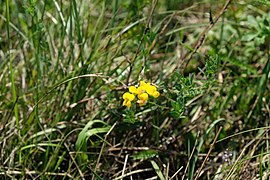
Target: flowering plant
point(142, 92)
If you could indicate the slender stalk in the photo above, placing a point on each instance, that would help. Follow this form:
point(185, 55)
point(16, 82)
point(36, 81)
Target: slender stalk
point(13, 88)
point(210, 150)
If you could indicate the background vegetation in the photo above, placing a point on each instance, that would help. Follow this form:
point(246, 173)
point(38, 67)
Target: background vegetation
point(66, 64)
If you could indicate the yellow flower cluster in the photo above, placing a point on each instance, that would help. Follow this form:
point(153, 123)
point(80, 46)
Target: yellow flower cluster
point(142, 92)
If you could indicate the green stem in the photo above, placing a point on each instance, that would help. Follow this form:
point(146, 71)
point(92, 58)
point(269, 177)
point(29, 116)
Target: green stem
point(13, 89)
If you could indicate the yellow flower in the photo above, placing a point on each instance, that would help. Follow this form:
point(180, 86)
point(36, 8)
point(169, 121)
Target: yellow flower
point(127, 103)
point(143, 96)
point(127, 99)
point(142, 92)
point(133, 90)
point(151, 89)
point(141, 102)
point(144, 85)
point(142, 99)
point(156, 94)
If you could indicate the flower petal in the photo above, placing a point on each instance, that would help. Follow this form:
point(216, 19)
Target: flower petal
point(129, 97)
point(151, 89)
point(156, 94)
point(141, 102)
point(142, 83)
point(143, 96)
point(127, 103)
point(140, 90)
point(133, 90)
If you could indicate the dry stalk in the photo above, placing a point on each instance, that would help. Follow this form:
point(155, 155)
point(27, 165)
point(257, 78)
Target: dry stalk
point(187, 56)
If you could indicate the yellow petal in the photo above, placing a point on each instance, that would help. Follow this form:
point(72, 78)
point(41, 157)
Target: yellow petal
point(127, 103)
point(151, 89)
point(143, 96)
point(142, 83)
point(129, 97)
point(133, 90)
point(156, 94)
point(141, 102)
point(140, 90)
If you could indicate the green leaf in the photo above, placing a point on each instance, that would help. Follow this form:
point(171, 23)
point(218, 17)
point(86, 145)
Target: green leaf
point(158, 171)
point(146, 154)
point(86, 133)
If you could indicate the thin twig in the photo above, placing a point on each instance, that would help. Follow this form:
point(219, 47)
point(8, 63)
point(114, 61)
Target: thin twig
point(141, 40)
point(75, 163)
point(27, 172)
point(125, 164)
point(177, 172)
point(210, 150)
point(232, 170)
point(102, 148)
point(201, 38)
point(167, 170)
point(134, 172)
point(8, 117)
point(189, 159)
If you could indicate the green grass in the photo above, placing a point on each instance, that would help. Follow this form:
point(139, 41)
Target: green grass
point(66, 64)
